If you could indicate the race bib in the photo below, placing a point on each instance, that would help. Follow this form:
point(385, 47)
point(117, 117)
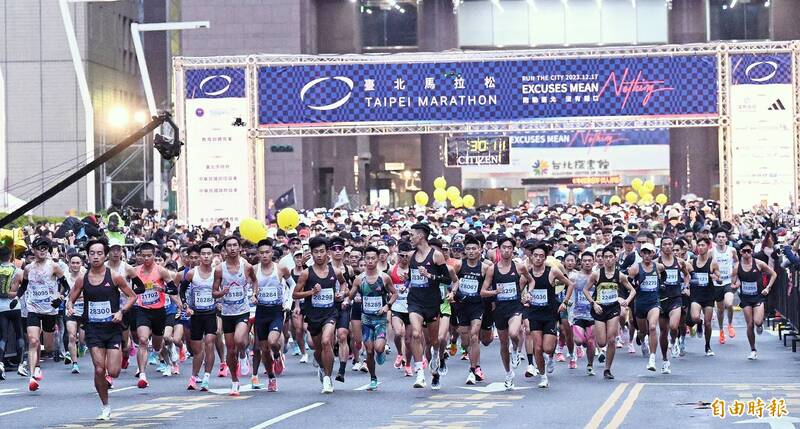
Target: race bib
point(580, 299)
point(701, 279)
point(41, 293)
point(203, 299)
point(371, 304)
point(607, 296)
point(672, 276)
point(750, 288)
point(417, 280)
point(100, 311)
point(539, 297)
point(650, 284)
point(469, 287)
point(77, 309)
point(507, 291)
point(324, 299)
point(402, 294)
point(235, 295)
point(150, 297)
point(270, 296)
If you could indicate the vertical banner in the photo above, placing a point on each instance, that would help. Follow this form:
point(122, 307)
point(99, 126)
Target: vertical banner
point(218, 175)
point(762, 131)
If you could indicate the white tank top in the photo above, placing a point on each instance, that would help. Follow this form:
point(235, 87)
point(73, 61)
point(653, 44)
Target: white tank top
point(725, 263)
point(234, 302)
point(270, 289)
point(120, 271)
point(42, 289)
point(200, 291)
point(78, 305)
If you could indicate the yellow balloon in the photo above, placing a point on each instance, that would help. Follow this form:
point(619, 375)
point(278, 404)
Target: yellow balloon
point(439, 195)
point(421, 198)
point(288, 218)
point(649, 185)
point(453, 193)
point(615, 199)
point(457, 202)
point(469, 201)
point(439, 183)
point(661, 199)
point(252, 230)
point(636, 183)
point(646, 199)
point(631, 197)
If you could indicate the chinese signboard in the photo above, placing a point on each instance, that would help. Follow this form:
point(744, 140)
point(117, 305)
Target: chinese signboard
point(486, 91)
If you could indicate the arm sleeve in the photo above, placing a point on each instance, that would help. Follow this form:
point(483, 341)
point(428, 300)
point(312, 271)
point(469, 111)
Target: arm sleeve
point(171, 288)
point(138, 285)
point(184, 287)
point(22, 288)
point(63, 286)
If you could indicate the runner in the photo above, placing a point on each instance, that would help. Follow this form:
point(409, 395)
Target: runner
point(471, 273)
point(336, 251)
point(748, 275)
point(583, 322)
point(448, 291)
point(377, 296)
point(269, 293)
point(75, 331)
point(647, 279)
point(427, 269)
point(118, 266)
point(299, 330)
point(10, 279)
point(701, 291)
point(566, 262)
point(606, 303)
point(197, 294)
point(541, 298)
point(504, 281)
point(400, 320)
point(674, 284)
point(103, 316)
point(726, 258)
point(230, 284)
point(318, 285)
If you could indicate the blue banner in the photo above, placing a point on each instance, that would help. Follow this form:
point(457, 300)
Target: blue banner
point(761, 69)
point(486, 91)
point(590, 138)
point(225, 82)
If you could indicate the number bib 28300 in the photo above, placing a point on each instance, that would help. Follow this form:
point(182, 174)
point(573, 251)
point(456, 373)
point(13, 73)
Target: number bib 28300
point(100, 311)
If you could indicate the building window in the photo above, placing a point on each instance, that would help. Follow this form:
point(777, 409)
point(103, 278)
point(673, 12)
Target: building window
point(388, 23)
point(525, 23)
point(738, 19)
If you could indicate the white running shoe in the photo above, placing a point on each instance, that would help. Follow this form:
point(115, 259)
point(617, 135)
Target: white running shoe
point(174, 354)
point(532, 371)
point(651, 363)
point(645, 348)
point(619, 342)
point(509, 381)
point(434, 362)
point(665, 368)
point(675, 350)
point(515, 359)
point(244, 365)
point(471, 378)
point(544, 383)
point(304, 358)
point(420, 382)
point(760, 329)
point(357, 366)
point(327, 386)
point(589, 370)
point(549, 365)
point(753, 355)
point(105, 414)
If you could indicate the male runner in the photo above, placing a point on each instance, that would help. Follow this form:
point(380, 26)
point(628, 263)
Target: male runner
point(471, 273)
point(748, 275)
point(583, 322)
point(726, 258)
point(647, 278)
point(197, 294)
point(674, 284)
point(704, 271)
point(377, 296)
point(102, 315)
point(504, 282)
point(336, 251)
point(318, 285)
point(75, 322)
point(400, 320)
point(230, 284)
point(10, 279)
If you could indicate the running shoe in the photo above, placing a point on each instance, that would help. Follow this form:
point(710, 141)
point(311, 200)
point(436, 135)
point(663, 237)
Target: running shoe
point(254, 383)
point(167, 371)
point(434, 362)
point(33, 385)
point(573, 362)
point(272, 385)
point(244, 365)
point(67, 358)
point(75, 368)
point(161, 367)
point(142, 383)
point(182, 354)
point(420, 381)
point(204, 385)
point(753, 355)
point(192, 383)
point(560, 357)
point(304, 358)
point(453, 349)
point(665, 368)
point(479, 375)
point(508, 383)
point(549, 365)
point(224, 371)
point(515, 359)
point(579, 351)
point(601, 357)
point(234, 389)
point(435, 384)
point(278, 365)
point(176, 369)
point(675, 349)
point(174, 356)
point(464, 355)
point(295, 349)
point(543, 382)
point(398, 362)
point(373, 384)
point(408, 371)
point(608, 375)
point(721, 336)
point(125, 358)
point(731, 331)
point(37, 374)
point(682, 346)
point(760, 329)
point(531, 371)
point(709, 352)
point(651, 363)
point(470, 378)
point(442, 364)
point(22, 369)
point(340, 377)
point(357, 366)
point(631, 348)
point(589, 370)
point(327, 386)
point(645, 349)
point(2, 371)
point(152, 359)
point(619, 342)
point(105, 414)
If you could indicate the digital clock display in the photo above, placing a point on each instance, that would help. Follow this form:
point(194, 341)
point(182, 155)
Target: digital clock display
point(466, 151)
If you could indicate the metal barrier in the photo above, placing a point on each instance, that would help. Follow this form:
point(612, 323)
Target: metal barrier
point(786, 301)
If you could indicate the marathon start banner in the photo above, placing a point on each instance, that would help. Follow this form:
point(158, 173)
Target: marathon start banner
point(487, 91)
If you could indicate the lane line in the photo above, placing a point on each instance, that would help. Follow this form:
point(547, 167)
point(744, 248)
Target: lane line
point(16, 411)
point(601, 412)
point(285, 416)
point(623, 411)
point(120, 390)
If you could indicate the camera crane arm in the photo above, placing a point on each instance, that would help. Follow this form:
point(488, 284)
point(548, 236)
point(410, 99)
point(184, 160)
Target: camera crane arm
point(169, 149)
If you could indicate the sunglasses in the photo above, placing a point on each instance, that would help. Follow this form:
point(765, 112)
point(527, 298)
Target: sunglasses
point(641, 242)
point(747, 250)
point(337, 248)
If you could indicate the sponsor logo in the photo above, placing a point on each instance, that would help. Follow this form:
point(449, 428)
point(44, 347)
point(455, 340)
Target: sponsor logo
point(541, 167)
point(238, 122)
point(777, 105)
point(199, 112)
point(596, 138)
point(330, 106)
point(761, 74)
point(633, 83)
point(209, 85)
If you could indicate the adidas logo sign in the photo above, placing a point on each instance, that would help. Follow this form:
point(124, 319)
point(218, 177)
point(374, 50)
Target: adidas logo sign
point(777, 105)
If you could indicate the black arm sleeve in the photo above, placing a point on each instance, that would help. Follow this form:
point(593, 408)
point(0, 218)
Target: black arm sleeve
point(138, 285)
point(184, 288)
point(22, 288)
point(171, 289)
point(442, 273)
point(63, 286)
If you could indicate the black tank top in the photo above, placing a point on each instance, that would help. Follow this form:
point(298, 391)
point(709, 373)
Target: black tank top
point(543, 297)
point(507, 284)
point(752, 281)
point(671, 279)
point(100, 301)
point(423, 292)
point(470, 282)
point(701, 276)
point(321, 306)
point(607, 289)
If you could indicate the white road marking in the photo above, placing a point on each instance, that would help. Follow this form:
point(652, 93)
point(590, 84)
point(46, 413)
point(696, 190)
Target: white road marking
point(285, 416)
point(16, 411)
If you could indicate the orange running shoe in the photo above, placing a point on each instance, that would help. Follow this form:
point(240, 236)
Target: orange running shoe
point(722, 337)
point(731, 331)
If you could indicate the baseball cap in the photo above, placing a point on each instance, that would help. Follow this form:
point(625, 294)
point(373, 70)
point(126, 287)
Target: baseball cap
point(629, 239)
point(648, 246)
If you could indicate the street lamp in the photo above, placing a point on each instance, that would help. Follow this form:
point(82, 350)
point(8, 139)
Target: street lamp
point(86, 98)
point(136, 28)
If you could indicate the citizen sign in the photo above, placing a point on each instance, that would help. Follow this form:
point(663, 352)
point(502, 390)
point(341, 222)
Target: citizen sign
point(330, 106)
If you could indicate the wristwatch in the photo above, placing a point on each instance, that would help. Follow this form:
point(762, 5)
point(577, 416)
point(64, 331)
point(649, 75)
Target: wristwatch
point(568, 303)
